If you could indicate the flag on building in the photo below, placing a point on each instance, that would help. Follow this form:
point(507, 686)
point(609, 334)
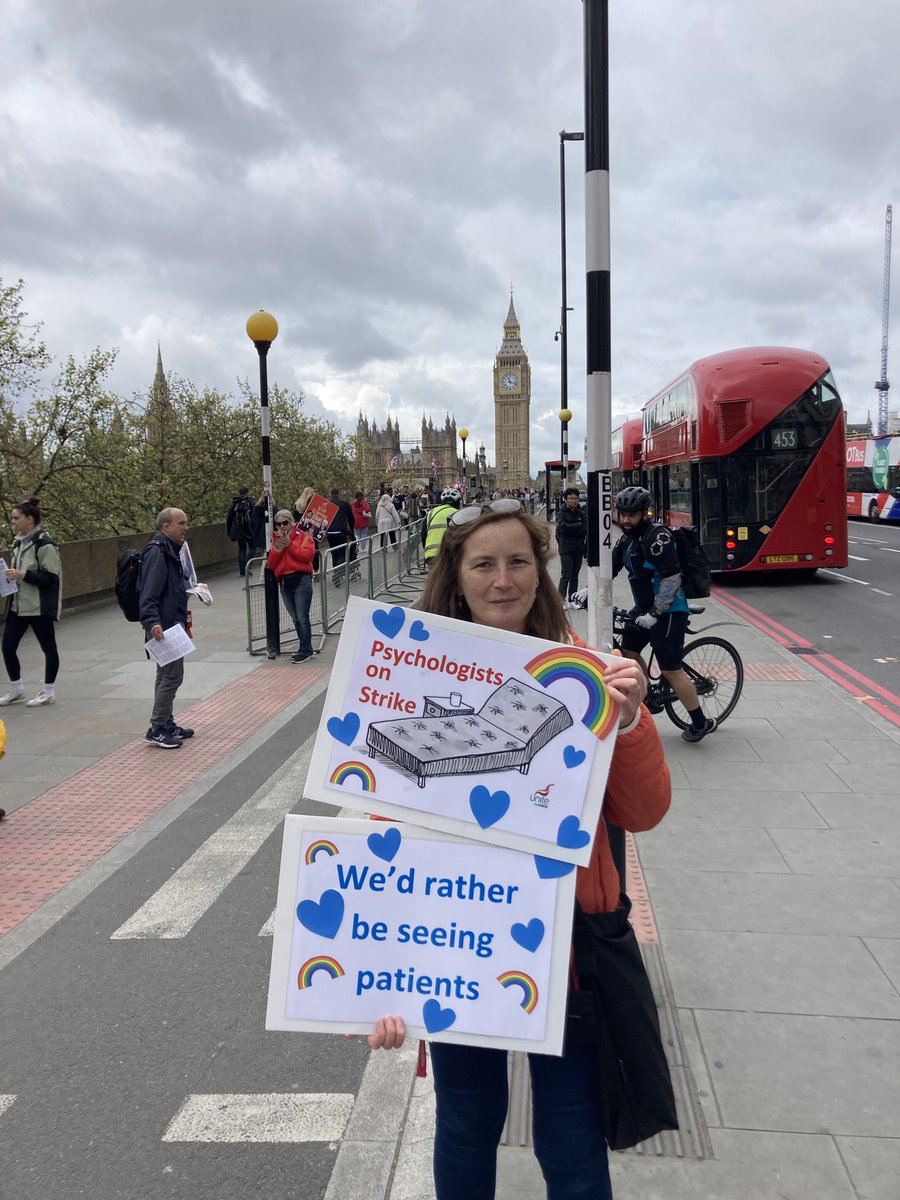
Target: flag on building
point(433, 467)
point(394, 464)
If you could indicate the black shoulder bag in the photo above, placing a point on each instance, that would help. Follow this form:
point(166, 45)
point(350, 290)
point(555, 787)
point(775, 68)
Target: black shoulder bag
point(611, 1010)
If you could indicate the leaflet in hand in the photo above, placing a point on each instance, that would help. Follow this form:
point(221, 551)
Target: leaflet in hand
point(7, 586)
point(175, 644)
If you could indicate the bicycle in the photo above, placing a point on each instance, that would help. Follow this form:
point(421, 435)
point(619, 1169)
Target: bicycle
point(713, 665)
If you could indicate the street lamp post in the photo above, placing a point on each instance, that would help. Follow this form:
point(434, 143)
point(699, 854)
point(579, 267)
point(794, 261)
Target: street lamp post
point(463, 434)
point(262, 329)
point(565, 416)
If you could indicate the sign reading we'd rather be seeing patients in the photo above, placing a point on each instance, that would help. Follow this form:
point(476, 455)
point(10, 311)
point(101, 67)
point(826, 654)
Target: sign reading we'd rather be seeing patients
point(469, 730)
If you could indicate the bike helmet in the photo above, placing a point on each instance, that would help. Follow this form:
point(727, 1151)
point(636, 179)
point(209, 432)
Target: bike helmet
point(451, 495)
point(633, 500)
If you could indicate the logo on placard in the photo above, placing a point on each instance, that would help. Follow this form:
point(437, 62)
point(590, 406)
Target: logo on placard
point(541, 797)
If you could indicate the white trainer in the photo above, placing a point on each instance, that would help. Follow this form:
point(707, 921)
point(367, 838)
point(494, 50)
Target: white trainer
point(41, 698)
point(11, 698)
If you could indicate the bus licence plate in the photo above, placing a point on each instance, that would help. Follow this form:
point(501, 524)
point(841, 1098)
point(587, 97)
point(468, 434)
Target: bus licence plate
point(781, 558)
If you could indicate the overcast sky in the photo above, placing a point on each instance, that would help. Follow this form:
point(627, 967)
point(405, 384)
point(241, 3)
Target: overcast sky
point(377, 173)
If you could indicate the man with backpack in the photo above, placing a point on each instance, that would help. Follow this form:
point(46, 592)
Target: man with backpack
point(163, 603)
point(649, 554)
point(239, 525)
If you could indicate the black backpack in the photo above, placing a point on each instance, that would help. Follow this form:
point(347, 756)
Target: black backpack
point(696, 578)
point(128, 580)
point(243, 520)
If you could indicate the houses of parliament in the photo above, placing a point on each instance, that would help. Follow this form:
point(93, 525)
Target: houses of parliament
point(437, 455)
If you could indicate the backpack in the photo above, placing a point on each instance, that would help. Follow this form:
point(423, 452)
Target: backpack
point(696, 578)
point(128, 578)
point(243, 520)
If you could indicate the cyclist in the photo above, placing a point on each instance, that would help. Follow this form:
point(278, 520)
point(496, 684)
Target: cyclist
point(648, 553)
point(436, 522)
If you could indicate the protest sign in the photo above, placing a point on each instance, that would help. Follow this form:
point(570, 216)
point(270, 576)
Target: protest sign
point(468, 943)
point(317, 515)
point(474, 731)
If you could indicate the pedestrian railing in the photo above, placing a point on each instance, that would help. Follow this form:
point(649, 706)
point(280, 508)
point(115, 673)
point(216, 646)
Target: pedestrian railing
point(374, 567)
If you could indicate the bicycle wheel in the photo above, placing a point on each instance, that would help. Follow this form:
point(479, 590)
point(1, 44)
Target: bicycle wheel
point(716, 671)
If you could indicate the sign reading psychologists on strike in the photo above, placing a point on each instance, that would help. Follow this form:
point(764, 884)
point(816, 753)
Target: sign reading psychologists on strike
point(474, 731)
point(467, 942)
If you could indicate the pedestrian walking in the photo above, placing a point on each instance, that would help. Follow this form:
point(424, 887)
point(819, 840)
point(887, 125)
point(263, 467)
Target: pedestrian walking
point(362, 516)
point(163, 603)
point(239, 525)
point(35, 604)
point(571, 538)
point(387, 519)
point(340, 533)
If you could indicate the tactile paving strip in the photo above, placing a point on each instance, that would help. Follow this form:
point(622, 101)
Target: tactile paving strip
point(50, 840)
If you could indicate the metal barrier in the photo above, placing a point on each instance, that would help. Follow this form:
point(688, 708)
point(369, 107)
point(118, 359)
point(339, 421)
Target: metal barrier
point(378, 569)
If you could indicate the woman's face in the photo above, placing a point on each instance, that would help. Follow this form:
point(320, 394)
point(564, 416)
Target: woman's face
point(498, 575)
point(21, 523)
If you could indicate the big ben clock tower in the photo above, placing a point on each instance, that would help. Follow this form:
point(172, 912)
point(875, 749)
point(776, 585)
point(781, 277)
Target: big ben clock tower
point(512, 404)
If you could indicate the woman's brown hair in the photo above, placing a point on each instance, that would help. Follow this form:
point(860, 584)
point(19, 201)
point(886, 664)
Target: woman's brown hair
point(547, 618)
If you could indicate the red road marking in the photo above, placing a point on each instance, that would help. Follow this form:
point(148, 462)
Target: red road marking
point(50, 840)
point(827, 664)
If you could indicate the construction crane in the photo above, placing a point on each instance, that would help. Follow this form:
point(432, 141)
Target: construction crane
point(882, 385)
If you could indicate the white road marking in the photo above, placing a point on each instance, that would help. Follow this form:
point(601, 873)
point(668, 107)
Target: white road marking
point(263, 1117)
point(173, 910)
point(6, 1102)
point(846, 578)
point(856, 558)
point(882, 592)
point(890, 550)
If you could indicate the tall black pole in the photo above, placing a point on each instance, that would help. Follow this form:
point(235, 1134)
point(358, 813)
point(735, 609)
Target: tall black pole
point(270, 584)
point(599, 340)
point(564, 313)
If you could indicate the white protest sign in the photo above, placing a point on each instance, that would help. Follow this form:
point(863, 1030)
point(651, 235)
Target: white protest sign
point(468, 943)
point(470, 730)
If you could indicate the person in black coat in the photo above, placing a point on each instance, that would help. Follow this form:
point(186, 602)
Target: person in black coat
point(571, 538)
point(163, 603)
point(340, 532)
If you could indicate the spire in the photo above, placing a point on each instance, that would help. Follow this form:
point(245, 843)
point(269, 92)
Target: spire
point(512, 321)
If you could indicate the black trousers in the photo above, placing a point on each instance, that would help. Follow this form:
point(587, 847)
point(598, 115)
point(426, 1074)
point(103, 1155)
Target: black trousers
point(45, 633)
point(570, 566)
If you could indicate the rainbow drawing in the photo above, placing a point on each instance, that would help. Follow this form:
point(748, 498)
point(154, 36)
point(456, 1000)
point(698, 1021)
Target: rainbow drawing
point(353, 770)
point(322, 846)
point(321, 962)
point(526, 983)
point(571, 662)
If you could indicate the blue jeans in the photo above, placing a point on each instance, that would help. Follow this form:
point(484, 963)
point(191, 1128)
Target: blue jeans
point(296, 591)
point(471, 1089)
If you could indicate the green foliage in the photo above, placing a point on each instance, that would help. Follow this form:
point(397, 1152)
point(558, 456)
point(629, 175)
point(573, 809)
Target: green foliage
point(101, 465)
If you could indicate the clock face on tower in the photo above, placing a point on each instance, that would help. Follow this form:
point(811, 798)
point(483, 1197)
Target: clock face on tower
point(510, 381)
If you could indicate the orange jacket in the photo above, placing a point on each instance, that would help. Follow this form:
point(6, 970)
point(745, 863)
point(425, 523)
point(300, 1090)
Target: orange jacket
point(297, 558)
point(638, 794)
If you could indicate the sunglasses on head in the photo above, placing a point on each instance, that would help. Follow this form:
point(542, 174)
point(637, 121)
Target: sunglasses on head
point(473, 511)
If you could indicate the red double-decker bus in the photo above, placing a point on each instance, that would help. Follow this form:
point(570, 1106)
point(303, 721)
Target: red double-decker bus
point(626, 456)
point(749, 447)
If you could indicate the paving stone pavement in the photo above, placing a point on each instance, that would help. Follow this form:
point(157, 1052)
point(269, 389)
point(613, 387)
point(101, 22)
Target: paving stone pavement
point(774, 883)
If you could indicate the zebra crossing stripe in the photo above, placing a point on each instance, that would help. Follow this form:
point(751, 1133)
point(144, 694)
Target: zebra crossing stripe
point(6, 1101)
point(175, 908)
point(261, 1117)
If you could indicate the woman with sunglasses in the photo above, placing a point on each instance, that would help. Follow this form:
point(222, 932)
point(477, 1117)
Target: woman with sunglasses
point(492, 570)
point(291, 560)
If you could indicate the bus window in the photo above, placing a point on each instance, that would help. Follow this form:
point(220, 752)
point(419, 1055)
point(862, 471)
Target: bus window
point(710, 515)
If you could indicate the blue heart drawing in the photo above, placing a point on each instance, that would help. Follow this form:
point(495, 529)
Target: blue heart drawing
point(436, 1018)
point(384, 845)
point(487, 807)
point(344, 729)
point(573, 757)
point(571, 835)
point(529, 936)
point(418, 632)
point(389, 623)
point(552, 868)
point(322, 916)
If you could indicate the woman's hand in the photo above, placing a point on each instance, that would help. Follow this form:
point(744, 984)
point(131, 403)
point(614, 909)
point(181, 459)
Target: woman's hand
point(11, 574)
point(627, 685)
point(282, 541)
point(390, 1034)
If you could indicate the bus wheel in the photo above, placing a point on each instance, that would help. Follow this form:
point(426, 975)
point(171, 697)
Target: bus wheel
point(873, 512)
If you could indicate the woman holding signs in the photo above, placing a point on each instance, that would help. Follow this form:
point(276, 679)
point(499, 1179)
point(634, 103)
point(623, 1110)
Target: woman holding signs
point(492, 570)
